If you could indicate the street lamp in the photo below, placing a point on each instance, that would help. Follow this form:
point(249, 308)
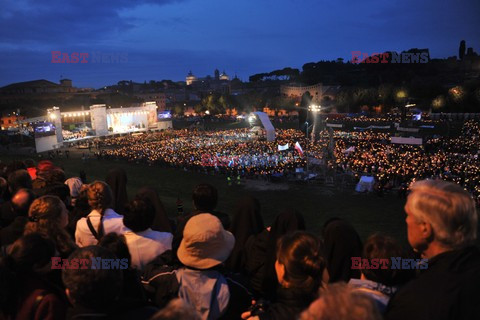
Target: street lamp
point(314, 109)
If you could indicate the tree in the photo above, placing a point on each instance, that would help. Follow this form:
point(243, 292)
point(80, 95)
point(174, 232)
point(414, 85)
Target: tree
point(461, 50)
point(178, 109)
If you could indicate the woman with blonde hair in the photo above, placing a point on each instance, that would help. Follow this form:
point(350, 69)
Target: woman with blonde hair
point(48, 216)
point(102, 219)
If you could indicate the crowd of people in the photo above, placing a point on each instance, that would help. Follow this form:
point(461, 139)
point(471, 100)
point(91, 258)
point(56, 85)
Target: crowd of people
point(78, 250)
point(236, 153)
point(226, 151)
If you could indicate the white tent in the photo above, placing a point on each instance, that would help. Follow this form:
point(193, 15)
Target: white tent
point(365, 184)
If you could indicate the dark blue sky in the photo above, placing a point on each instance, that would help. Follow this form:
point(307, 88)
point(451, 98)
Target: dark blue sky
point(164, 39)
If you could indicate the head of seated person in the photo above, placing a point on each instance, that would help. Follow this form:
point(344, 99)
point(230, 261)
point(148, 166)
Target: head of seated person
point(205, 197)
point(139, 215)
point(379, 247)
point(95, 289)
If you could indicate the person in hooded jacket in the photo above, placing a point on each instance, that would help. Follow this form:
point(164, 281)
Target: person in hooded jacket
point(117, 180)
point(260, 252)
point(247, 221)
point(342, 242)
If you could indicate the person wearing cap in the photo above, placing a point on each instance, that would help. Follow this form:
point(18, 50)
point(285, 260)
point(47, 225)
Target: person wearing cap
point(200, 281)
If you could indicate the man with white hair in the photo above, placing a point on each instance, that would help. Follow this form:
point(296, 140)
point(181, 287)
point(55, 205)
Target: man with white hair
point(442, 227)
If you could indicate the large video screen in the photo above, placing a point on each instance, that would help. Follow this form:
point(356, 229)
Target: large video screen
point(162, 115)
point(44, 129)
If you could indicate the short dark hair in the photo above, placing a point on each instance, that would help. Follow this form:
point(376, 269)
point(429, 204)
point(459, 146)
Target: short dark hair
point(19, 179)
point(380, 246)
point(117, 244)
point(139, 215)
point(30, 252)
point(205, 197)
point(93, 288)
point(57, 189)
point(29, 163)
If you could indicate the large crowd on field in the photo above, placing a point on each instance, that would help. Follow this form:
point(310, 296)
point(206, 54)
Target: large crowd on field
point(235, 152)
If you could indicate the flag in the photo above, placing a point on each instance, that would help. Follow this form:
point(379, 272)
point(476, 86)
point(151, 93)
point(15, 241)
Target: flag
point(299, 148)
point(284, 147)
point(351, 149)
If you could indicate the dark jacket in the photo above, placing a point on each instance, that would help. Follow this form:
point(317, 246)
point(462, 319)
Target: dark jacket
point(13, 231)
point(254, 257)
point(40, 299)
point(118, 312)
point(246, 221)
point(342, 242)
point(447, 289)
point(289, 304)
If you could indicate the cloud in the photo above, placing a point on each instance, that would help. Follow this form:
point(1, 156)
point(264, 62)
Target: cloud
point(65, 22)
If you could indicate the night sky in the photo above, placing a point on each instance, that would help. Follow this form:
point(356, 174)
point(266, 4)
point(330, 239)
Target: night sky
point(164, 39)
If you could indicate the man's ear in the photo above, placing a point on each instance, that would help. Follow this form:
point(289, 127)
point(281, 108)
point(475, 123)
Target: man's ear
point(426, 231)
point(67, 292)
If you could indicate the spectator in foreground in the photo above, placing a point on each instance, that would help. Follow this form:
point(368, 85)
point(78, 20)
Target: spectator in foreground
point(205, 199)
point(341, 302)
point(247, 221)
point(133, 295)
point(442, 226)
point(379, 283)
point(300, 270)
point(102, 219)
point(49, 217)
point(20, 204)
point(161, 222)
point(342, 242)
point(94, 293)
point(200, 281)
point(261, 253)
point(117, 180)
point(143, 243)
point(25, 281)
point(75, 186)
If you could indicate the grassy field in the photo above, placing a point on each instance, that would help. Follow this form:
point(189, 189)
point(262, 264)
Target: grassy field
point(367, 212)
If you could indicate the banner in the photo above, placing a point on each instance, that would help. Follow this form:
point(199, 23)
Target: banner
point(408, 129)
point(282, 148)
point(371, 127)
point(411, 140)
point(335, 125)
